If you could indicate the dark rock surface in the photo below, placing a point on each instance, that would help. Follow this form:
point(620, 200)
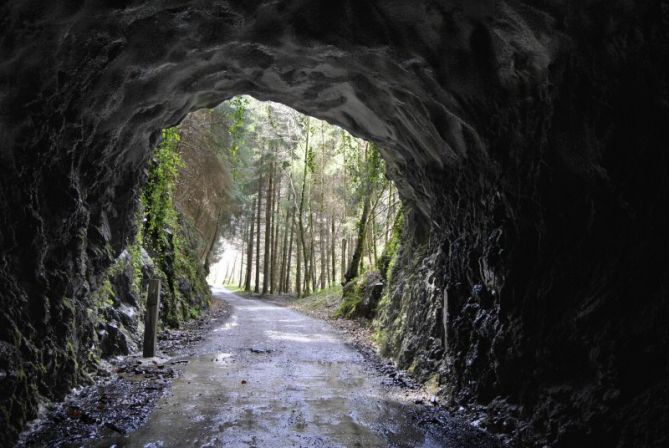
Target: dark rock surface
point(372, 290)
point(527, 141)
point(125, 391)
point(361, 296)
point(120, 311)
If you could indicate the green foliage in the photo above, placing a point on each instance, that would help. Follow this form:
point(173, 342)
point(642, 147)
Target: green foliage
point(194, 313)
point(135, 251)
point(352, 299)
point(324, 300)
point(385, 262)
point(160, 215)
point(237, 129)
point(233, 287)
point(162, 234)
point(374, 168)
point(104, 296)
point(322, 178)
point(364, 166)
point(334, 290)
point(386, 338)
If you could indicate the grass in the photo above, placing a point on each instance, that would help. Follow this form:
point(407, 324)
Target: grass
point(325, 301)
point(233, 288)
point(322, 304)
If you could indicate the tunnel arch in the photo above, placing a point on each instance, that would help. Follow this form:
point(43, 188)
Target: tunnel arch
point(381, 90)
point(506, 127)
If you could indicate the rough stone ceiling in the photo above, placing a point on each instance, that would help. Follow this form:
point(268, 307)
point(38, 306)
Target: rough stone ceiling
point(413, 77)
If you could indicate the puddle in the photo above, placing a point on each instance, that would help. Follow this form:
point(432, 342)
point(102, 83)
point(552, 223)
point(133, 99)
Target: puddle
point(222, 358)
point(229, 325)
point(301, 337)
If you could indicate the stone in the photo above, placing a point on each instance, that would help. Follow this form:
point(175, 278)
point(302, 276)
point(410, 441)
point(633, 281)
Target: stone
point(112, 341)
point(371, 293)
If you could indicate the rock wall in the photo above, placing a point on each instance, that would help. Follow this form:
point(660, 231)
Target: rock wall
point(526, 140)
point(540, 291)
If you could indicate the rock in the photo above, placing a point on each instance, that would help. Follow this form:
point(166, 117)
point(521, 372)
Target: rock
point(527, 141)
point(371, 293)
point(112, 341)
point(128, 316)
point(361, 296)
point(123, 280)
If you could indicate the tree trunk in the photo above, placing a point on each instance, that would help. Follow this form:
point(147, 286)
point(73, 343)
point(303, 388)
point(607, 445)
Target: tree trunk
point(289, 258)
point(333, 255)
point(301, 209)
point(372, 240)
point(326, 254)
point(321, 213)
point(249, 251)
point(259, 208)
point(298, 272)
point(344, 260)
point(243, 240)
point(231, 274)
point(353, 268)
point(312, 247)
point(213, 241)
point(389, 214)
point(284, 248)
point(321, 247)
point(276, 221)
point(268, 232)
point(225, 276)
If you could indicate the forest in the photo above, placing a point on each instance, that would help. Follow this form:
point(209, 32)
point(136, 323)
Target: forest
point(307, 207)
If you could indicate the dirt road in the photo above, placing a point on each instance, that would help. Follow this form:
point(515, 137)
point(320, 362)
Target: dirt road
point(272, 377)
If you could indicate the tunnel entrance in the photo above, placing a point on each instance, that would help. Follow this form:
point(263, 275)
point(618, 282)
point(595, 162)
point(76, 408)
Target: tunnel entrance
point(309, 187)
point(306, 208)
point(526, 142)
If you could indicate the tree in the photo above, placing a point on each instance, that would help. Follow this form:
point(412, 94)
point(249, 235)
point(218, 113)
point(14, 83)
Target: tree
point(249, 251)
point(307, 196)
point(369, 177)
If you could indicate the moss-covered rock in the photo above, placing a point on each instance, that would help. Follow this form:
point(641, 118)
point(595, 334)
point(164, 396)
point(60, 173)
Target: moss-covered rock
point(361, 296)
point(387, 259)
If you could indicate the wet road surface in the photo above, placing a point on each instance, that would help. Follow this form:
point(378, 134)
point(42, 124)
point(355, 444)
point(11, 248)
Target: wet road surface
point(272, 377)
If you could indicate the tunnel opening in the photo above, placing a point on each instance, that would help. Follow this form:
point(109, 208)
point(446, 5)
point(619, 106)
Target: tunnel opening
point(299, 165)
point(525, 140)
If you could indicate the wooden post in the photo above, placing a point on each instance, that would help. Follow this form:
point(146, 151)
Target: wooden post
point(151, 318)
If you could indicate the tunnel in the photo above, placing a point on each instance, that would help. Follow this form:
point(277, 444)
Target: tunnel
point(527, 141)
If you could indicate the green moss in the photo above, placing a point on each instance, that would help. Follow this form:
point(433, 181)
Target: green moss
point(104, 296)
point(195, 313)
point(352, 299)
point(115, 269)
point(380, 338)
point(71, 359)
point(164, 233)
point(432, 384)
point(390, 321)
point(160, 214)
point(388, 258)
point(233, 288)
point(335, 290)
point(135, 252)
point(323, 301)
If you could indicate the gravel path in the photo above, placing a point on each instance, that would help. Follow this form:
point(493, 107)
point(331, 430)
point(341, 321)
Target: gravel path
point(272, 377)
